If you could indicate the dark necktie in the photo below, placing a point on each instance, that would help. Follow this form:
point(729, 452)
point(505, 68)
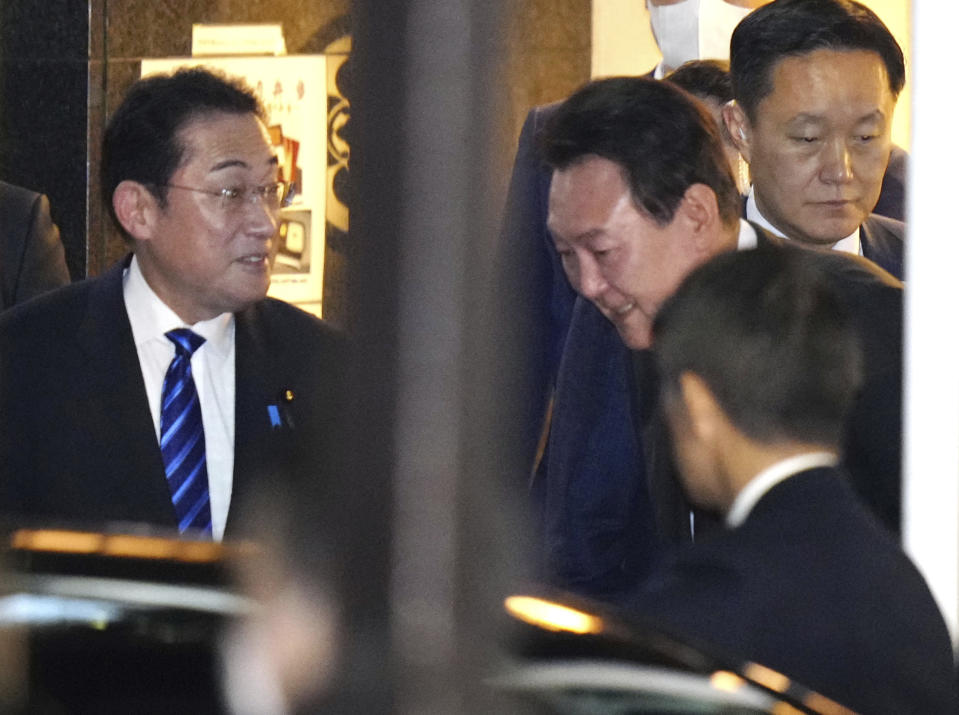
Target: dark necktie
point(182, 442)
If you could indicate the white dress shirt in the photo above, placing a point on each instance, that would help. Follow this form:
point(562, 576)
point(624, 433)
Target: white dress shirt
point(849, 244)
point(757, 487)
point(214, 372)
point(747, 236)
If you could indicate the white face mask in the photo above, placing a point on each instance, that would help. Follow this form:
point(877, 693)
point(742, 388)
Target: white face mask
point(694, 29)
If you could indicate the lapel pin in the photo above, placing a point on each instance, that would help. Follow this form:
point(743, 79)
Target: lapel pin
point(279, 414)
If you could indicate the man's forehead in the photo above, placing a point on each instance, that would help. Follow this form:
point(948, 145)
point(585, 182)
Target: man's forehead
point(584, 194)
point(798, 81)
point(221, 139)
point(825, 62)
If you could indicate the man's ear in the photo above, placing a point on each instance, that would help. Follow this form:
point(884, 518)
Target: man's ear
point(700, 208)
point(740, 130)
point(136, 209)
point(702, 409)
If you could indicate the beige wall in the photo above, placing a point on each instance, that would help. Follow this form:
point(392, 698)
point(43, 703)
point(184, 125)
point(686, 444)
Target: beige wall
point(895, 13)
point(623, 44)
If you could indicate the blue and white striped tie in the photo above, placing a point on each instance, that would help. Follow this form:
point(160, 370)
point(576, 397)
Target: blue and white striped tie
point(182, 442)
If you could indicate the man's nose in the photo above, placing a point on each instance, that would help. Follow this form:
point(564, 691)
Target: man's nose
point(260, 217)
point(592, 284)
point(837, 163)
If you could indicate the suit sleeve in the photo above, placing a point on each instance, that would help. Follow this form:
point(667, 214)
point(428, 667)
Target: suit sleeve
point(43, 267)
point(532, 299)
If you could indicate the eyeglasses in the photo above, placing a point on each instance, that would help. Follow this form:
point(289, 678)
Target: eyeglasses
point(274, 195)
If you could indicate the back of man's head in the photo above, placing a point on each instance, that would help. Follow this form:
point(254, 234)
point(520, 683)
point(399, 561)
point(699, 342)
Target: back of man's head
point(141, 141)
point(661, 137)
point(769, 335)
point(788, 28)
point(706, 79)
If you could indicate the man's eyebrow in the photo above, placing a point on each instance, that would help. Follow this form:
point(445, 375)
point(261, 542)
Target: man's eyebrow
point(230, 163)
point(584, 236)
point(809, 117)
point(876, 114)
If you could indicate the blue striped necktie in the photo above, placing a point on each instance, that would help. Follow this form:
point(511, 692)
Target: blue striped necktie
point(182, 442)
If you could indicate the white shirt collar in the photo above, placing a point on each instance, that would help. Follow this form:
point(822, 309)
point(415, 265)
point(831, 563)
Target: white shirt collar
point(849, 244)
point(151, 318)
point(757, 487)
point(747, 236)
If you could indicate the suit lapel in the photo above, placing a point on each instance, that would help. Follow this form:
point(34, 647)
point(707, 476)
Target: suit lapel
point(877, 246)
point(251, 419)
point(764, 239)
point(14, 216)
point(118, 399)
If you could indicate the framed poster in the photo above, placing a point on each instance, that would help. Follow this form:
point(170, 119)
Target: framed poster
point(293, 91)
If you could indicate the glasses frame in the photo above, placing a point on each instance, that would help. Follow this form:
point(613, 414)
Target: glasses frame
point(251, 194)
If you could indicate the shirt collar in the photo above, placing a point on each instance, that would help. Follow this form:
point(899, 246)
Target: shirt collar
point(747, 236)
point(849, 244)
point(151, 318)
point(757, 487)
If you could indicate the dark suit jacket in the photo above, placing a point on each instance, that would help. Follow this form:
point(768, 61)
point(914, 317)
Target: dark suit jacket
point(31, 255)
point(810, 586)
point(892, 197)
point(883, 243)
point(536, 300)
point(600, 533)
point(77, 442)
point(872, 443)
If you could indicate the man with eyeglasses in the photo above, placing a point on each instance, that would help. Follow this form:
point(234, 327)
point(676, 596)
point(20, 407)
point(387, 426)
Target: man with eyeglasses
point(165, 389)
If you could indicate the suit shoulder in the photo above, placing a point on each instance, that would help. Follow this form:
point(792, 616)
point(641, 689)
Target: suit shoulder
point(892, 227)
point(286, 320)
point(49, 311)
point(845, 268)
point(12, 193)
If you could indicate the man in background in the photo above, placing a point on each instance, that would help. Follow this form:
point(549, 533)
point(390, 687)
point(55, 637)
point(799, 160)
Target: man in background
point(759, 364)
point(31, 254)
point(816, 83)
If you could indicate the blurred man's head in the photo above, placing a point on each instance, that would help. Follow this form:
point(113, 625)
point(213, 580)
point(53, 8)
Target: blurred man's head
point(755, 348)
point(816, 83)
point(695, 29)
point(641, 193)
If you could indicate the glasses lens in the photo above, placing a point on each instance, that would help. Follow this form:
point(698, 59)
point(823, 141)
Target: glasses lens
point(231, 198)
point(272, 194)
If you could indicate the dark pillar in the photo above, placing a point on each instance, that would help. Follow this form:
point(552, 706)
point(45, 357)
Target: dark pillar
point(43, 110)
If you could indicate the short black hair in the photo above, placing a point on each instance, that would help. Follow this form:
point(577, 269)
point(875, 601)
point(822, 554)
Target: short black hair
point(768, 332)
point(707, 79)
point(141, 141)
point(787, 28)
point(663, 139)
